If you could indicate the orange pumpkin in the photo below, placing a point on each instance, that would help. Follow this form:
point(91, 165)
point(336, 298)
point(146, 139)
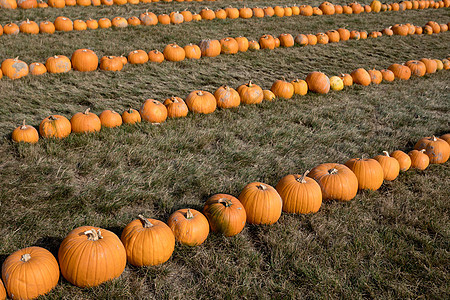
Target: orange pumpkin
point(153, 111)
point(282, 89)
point(47, 27)
point(229, 45)
point(55, 126)
point(419, 160)
point(37, 69)
point(156, 56)
point(286, 40)
point(417, 68)
point(312, 39)
point(388, 75)
point(29, 27)
point(63, 24)
point(104, 23)
point(390, 165)
point(267, 42)
point(225, 213)
point(111, 63)
point(318, 82)
point(192, 51)
point(361, 76)
point(176, 17)
point(137, 57)
point(56, 3)
point(300, 87)
point(134, 21)
point(327, 8)
point(2, 291)
point(347, 79)
point(85, 122)
point(430, 65)
point(301, 40)
point(250, 93)
point(403, 159)
point(189, 226)
point(400, 71)
point(25, 133)
point(437, 149)
point(84, 60)
point(14, 68)
point(110, 118)
point(149, 18)
point(227, 97)
point(268, 95)
point(131, 116)
point(58, 64)
point(210, 48)
point(79, 25)
point(375, 76)
point(368, 171)
point(176, 107)
point(173, 52)
point(119, 22)
point(26, 4)
point(201, 102)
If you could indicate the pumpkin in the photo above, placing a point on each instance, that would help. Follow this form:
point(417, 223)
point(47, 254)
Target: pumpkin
point(400, 71)
point(242, 43)
point(56, 3)
point(301, 40)
point(388, 75)
point(336, 83)
point(268, 95)
point(418, 30)
point(192, 51)
point(363, 35)
point(221, 14)
point(201, 102)
point(207, 14)
point(361, 76)
point(134, 21)
point(30, 272)
point(419, 160)
point(189, 226)
point(156, 56)
point(176, 108)
point(110, 118)
point(58, 64)
point(438, 150)
point(295, 10)
point(85, 122)
point(306, 10)
point(176, 17)
point(11, 29)
point(153, 111)
point(322, 38)
point(210, 48)
point(229, 45)
point(333, 36)
point(317, 11)
point(277, 42)
point(55, 126)
point(8, 4)
point(287, 11)
point(262, 203)
point(300, 194)
point(344, 34)
point(119, 22)
point(29, 27)
point(84, 60)
point(14, 68)
point(2, 291)
point(430, 65)
point(149, 18)
point(88, 248)
point(253, 45)
point(225, 213)
point(111, 63)
point(25, 133)
point(46, 27)
point(445, 137)
point(387, 31)
point(232, 12)
point(245, 13)
point(400, 29)
point(390, 165)
point(282, 89)
point(227, 97)
point(173, 52)
point(368, 171)
point(286, 40)
point(104, 23)
point(418, 68)
point(196, 17)
point(84, 3)
point(258, 12)
point(312, 39)
point(147, 242)
point(137, 57)
point(403, 160)
point(375, 76)
point(440, 64)
point(338, 9)
point(267, 42)
point(327, 8)
point(250, 93)
point(300, 87)
point(278, 11)
point(26, 4)
point(347, 79)
point(37, 69)
point(63, 24)
point(318, 82)
point(107, 2)
point(79, 25)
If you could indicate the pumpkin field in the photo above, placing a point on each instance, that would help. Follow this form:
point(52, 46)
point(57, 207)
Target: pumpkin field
point(224, 149)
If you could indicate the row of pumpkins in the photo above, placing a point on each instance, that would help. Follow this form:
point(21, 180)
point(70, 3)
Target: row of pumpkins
point(27, 4)
point(148, 18)
point(204, 102)
point(89, 256)
point(86, 60)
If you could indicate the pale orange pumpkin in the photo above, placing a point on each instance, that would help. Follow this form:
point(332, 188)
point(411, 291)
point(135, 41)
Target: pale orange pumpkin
point(227, 97)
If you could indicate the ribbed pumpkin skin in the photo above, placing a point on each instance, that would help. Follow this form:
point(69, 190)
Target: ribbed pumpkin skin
point(25, 133)
point(250, 93)
point(84, 60)
point(261, 202)
point(153, 111)
point(390, 165)
point(419, 160)
point(88, 263)
point(29, 279)
point(56, 126)
point(148, 246)
point(201, 102)
point(85, 122)
point(210, 48)
point(437, 149)
point(403, 160)
point(189, 231)
point(110, 118)
point(2, 291)
point(446, 137)
point(176, 108)
point(368, 171)
point(282, 89)
point(131, 116)
point(300, 195)
point(336, 181)
point(318, 82)
point(225, 213)
point(227, 97)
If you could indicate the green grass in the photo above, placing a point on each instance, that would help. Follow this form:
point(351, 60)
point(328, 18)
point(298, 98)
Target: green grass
point(392, 243)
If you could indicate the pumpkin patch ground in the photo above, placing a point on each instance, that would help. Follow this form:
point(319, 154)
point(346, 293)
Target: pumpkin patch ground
point(388, 243)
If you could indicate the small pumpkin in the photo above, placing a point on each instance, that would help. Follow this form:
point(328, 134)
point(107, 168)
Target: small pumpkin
point(111, 63)
point(25, 133)
point(11, 29)
point(134, 21)
point(232, 12)
point(85, 122)
point(336, 83)
point(403, 160)
point(318, 82)
point(300, 194)
point(253, 45)
point(137, 57)
point(14, 68)
point(250, 93)
point(361, 76)
point(437, 149)
point(347, 79)
point(173, 52)
point(30, 272)
point(210, 48)
point(227, 97)
point(110, 118)
point(147, 242)
point(312, 39)
point(2, 291)
point(225, 213)
point(46, 27)
point(282, 89)
point(229, 46)
point(390, 165)
point(333, 36)
point(55, 126)
point(84, 60)
point(301, 40)
point(344, 34)
point(149, 18)
point(104, 23)
point(176, 17)
point(158, 57)
point(262, 203)
point(79, 25)
point(268, 95)
point(37, 69)
point(300, 87)
point(176, 107)
point(192, 51)
point(368, 171)
point(58, 64)
point(207, 14)
point(131, 116)
point(153, 111)
point(419, 160)
point(189, 226)
point(26, 4)
point(388, 75)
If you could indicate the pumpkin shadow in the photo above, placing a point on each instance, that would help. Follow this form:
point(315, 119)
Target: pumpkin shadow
point(51, 243)
point(3, 258)
point(116, 230)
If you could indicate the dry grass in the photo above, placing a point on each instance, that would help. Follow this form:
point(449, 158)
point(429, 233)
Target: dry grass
point(392, 243)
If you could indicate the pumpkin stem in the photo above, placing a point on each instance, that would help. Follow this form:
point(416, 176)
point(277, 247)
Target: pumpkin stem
point(52, 118)
point(433, 138)
point(302, 178)
point(23, 125)
point(200, 93)
point(16, 59)
point(26, 257)
point(93, 235)
point(261, 187)
point(130, 110)
point(386, 153)
point(332, 171)
point(189, 214)
point(145, 221)
point(225, 201)
point(86, 112)
point(423, 150)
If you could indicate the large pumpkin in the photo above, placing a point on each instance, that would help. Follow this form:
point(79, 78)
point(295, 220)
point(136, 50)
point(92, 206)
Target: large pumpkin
point(189, 226)
point(361, 76)
point(403, 159)
point(147, 242)
point(262, 203)
point(110, 118)
point(250, 93)
point(418, 68)
point(85, 122)
point(153, 111)
point(283, 89)
point(400, 71)
point(58, 64)
point(30, 272)
point(176, 107)
point(88, 248)
point(84, 60)
point(437, 149)
point(201, 102)
point(318, 82)
point(210, 48)
point(419, 160)
point(225, 213)
point(55, 126)
point(14, 68)
point(2, 291)
point(300, 194)
point(25, 133)
point(390, 165)
point(368, 171)
point(227, 97)
point(336, 181)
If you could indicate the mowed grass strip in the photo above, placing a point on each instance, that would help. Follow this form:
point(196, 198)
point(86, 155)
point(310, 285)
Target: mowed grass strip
point(392, 243)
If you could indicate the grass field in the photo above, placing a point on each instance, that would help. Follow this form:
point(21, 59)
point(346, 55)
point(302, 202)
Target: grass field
point(392, 243)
